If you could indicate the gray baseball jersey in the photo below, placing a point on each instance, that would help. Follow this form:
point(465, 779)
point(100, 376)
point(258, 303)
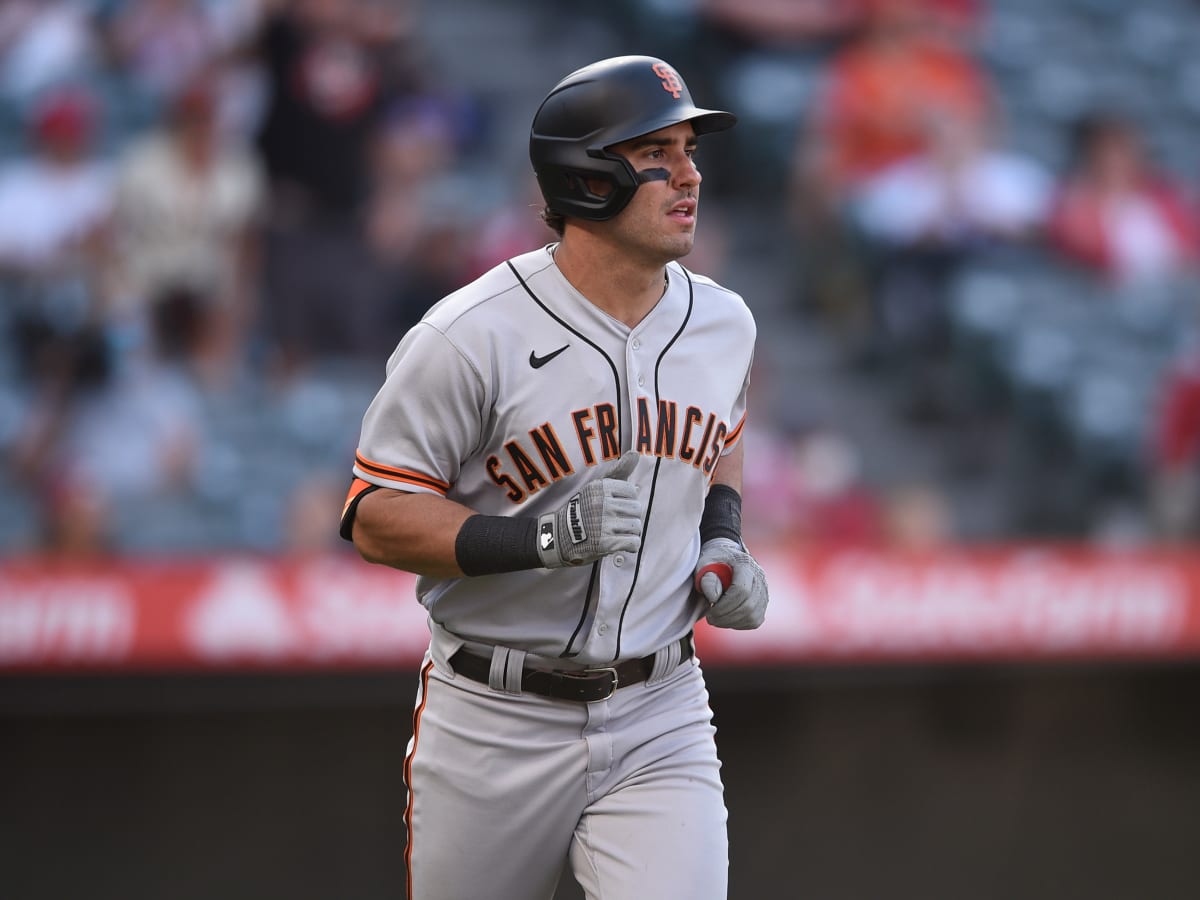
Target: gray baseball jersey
point(513, 392)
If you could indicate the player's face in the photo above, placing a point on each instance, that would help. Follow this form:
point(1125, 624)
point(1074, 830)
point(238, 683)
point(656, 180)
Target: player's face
point(660, 220)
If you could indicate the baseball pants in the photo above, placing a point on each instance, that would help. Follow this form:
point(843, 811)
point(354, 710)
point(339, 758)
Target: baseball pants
point(505, 788)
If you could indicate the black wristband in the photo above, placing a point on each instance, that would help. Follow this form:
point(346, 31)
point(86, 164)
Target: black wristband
point(722, 516)
point(489, 545)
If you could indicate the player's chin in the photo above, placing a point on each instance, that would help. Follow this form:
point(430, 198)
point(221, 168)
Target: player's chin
point(678, 246)
point(681, 244)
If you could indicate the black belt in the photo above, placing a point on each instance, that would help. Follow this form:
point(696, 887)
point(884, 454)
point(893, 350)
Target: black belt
point(582, 686)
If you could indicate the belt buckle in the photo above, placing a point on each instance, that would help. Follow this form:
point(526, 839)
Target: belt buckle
point(605, 670)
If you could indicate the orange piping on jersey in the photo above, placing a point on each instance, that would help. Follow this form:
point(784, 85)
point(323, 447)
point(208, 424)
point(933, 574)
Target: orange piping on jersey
point(357, 486)
point(408, 809)
point(734, 436)
point(405, 475)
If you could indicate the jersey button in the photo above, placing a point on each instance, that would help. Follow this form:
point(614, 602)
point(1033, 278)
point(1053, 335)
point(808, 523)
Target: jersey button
point(618, 561)
point(641, 380)
point(637, 345)
point(603, 629)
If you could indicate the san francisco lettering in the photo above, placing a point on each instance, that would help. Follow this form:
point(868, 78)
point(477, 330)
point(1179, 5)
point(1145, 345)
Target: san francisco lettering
point(663, 429)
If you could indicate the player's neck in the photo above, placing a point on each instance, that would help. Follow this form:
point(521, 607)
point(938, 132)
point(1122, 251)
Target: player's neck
point(624, 288)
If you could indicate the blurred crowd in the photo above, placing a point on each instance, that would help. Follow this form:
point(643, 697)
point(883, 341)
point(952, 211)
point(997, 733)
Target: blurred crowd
point(204, 202)
point(217, 217)
point(904, 180)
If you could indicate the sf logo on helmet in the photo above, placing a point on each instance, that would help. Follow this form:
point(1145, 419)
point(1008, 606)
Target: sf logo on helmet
point(670, 80)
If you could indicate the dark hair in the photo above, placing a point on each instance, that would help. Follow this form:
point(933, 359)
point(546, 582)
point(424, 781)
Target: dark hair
point(555, 221)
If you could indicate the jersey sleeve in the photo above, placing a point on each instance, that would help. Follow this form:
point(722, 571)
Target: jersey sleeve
point(425, 420)
point(737, 417)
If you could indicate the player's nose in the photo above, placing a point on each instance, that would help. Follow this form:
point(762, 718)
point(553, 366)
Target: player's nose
point(687, 174)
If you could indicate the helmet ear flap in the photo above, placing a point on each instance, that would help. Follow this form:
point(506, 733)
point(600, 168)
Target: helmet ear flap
point(578, 184)
point(572, 188)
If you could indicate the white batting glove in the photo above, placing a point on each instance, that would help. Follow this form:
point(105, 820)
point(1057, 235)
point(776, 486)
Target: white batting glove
point(605, 517)
point(733, 583)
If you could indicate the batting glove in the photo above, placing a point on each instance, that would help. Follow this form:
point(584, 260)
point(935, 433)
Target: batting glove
point(605, 517)
point(733, 583)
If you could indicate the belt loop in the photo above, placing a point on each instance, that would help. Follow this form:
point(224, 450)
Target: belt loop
point(507, 666)
point(666, 661)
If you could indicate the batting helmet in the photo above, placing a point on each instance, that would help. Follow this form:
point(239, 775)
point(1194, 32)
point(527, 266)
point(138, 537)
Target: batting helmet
point(597, 106)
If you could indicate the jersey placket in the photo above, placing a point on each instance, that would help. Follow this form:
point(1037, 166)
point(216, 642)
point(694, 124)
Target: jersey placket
point(619, 571)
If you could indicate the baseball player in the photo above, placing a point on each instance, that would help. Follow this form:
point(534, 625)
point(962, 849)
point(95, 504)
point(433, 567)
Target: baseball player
point(556, 452)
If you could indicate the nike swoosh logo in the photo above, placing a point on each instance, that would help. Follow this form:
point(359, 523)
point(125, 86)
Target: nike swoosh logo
point(538, 361)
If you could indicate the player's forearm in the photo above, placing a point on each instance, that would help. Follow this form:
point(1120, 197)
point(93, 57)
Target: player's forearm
point(413, 532)
point(433, 536)
point(729, 468)
point(722, 517)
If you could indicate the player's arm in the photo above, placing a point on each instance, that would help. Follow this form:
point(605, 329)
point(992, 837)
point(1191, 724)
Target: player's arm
point(413, 532)
point(729, 468)
point(432, 535)
point(417, 432)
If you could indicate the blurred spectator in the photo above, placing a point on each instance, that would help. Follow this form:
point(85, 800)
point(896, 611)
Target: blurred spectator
point(161, 44)
point(881, 93)
point(808, 489)
point(327, 63)
point(433, 269)
point(413, 147)
point(1175, 471)
point(882, 98)
point(922, 219)
point(765, 23)
point(44, 43)
point(840, 507)
point(55, 202)
point(415, 142)
point(790, 22)
point(332, 70)
point(1117, 214)
point(76, 523)
point(243, 84)
point(959, 22)
point(188, 216)
point(102, 434)
point(55, 206)
point(961, 192)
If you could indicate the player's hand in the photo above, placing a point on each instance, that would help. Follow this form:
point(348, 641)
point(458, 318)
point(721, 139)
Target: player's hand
point(733, 583)
point(605, 517)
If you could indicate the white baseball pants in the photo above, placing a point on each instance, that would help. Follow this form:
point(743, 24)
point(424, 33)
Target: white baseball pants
point(504, 789)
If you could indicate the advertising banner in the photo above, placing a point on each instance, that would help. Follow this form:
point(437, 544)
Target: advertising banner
point(827, 607)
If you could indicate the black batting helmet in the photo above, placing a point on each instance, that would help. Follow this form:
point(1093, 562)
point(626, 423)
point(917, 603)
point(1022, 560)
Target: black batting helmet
point(597, 106)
